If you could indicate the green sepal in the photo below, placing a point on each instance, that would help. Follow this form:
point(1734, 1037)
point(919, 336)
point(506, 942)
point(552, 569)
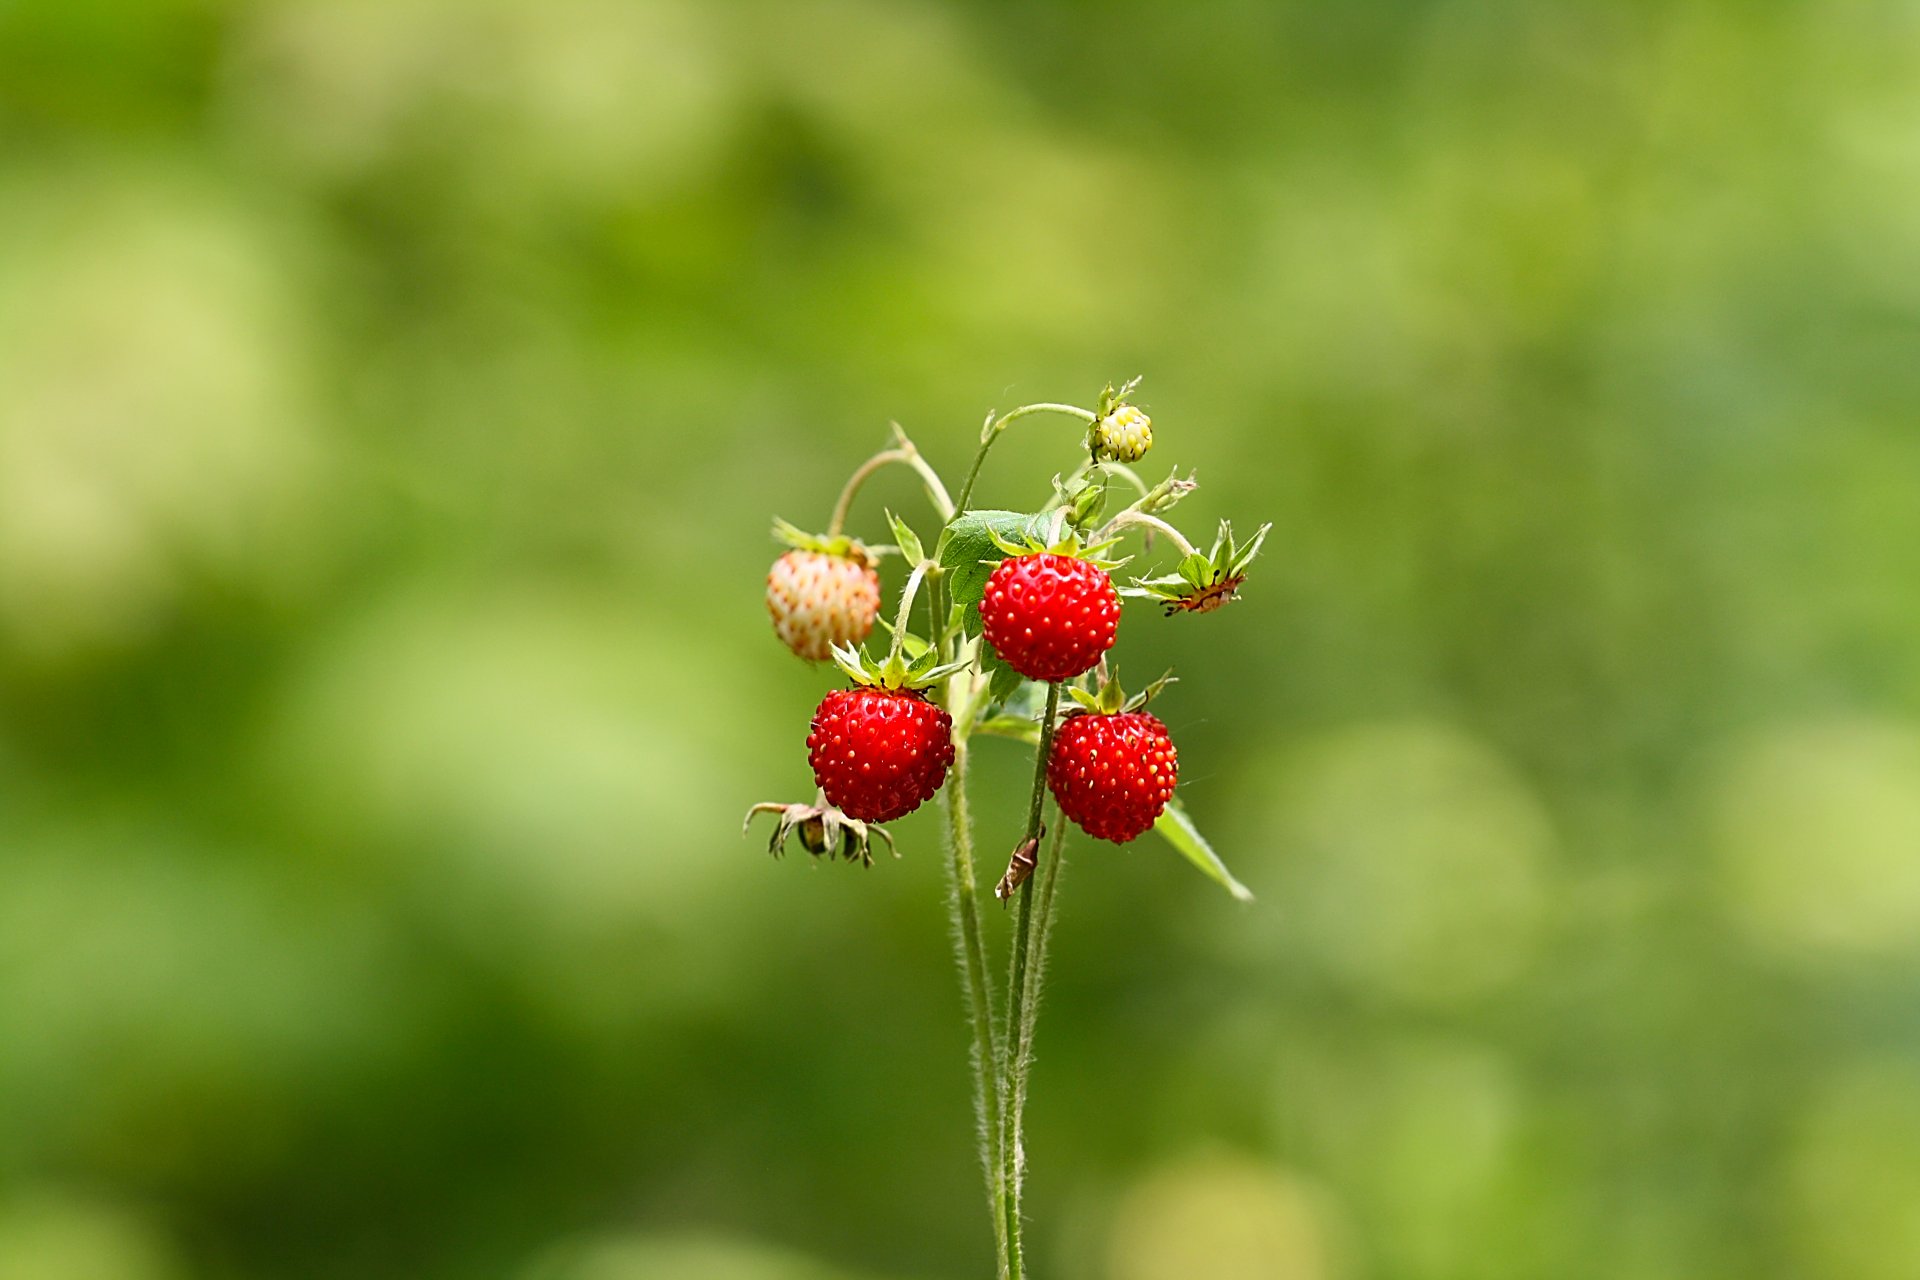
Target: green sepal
point(1148, 694)
point(1110, 399)
point(968, 550)
point(895, 671)
point(1080, 498)
point(1111, 699)
point(1091, 701)
point(1239, 559)
point(906, 539)
point(1167, 493)
point(1175, 826)
point(1057, 538)
point(1203, 580)
point(838, 545)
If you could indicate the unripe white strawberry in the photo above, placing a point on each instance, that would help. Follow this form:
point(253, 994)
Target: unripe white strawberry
point(819, 599)
point(1124, 435)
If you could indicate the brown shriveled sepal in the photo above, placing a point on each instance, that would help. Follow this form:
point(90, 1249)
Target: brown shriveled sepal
point(822, 829)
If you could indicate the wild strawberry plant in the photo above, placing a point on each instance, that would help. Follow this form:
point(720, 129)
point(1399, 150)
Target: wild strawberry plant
point(1019, 613)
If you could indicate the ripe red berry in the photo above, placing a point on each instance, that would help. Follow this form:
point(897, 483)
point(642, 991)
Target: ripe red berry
point(1050, 616)
point(879, 754)
point(819, 600)
point(1113, 774)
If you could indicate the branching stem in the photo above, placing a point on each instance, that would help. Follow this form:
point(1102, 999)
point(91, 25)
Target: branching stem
point(903, 452)
point(1145, 521)
point(991, 432)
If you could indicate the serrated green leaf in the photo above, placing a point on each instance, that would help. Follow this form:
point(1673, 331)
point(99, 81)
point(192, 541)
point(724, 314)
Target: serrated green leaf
point(1002, 680)
point(1177, 829)
point(968, 551)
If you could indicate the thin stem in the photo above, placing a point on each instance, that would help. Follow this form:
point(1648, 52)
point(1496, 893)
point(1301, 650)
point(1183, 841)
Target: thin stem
point(900, 618)
point(1145, 521)
point(995, 426)
point(1041, 933)
point(904, 453)
point(1012, 1158)
point(963, 913)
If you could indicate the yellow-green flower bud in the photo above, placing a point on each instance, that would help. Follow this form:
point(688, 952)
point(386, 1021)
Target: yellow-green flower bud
point(1124, 435)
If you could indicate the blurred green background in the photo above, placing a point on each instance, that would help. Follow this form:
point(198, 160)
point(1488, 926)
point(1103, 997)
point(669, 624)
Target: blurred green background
point(394, 396)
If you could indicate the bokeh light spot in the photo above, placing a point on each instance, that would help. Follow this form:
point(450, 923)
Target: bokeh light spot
point(1224, 1218)
point(1817, 827)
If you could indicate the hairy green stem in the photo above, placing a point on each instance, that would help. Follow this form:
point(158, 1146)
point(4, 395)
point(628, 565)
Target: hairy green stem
point(903, 452)
point(1132, 516)
point(963, 911)
point(905, 611)
point(1012, 1158)
point(995, 426)
point(1041, 933)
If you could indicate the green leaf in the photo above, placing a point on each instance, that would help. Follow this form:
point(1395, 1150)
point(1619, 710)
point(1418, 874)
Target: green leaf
point(969, 550)
point(1176, 827)
point(1002, 680)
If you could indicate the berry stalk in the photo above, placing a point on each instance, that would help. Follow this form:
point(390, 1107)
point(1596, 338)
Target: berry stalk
point(1134, 516)
point(1012, 1088)
point(906, 454)
point(991, 432)
point(1040, 935)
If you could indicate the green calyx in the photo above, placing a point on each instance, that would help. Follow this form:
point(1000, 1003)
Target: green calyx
point(1165, 495)
point(838, 545)
point(1056, 537)
point(1111, 400)
point(1204, 580)
point(1110, 699)
point(896, 670)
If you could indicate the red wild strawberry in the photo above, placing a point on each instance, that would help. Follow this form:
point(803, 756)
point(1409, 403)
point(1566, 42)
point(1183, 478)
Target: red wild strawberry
point(818, 599)
point(879, 754)
point(1113, 774)
point(1050, 616)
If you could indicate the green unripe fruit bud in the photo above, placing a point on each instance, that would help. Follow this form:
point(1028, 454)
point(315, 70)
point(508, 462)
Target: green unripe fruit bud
point(1124, 435)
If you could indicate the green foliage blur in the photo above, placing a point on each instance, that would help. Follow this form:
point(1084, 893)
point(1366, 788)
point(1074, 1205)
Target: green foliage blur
point(394, 399)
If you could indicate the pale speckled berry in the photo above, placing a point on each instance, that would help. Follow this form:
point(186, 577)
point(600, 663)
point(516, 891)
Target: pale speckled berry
point(818, 600)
